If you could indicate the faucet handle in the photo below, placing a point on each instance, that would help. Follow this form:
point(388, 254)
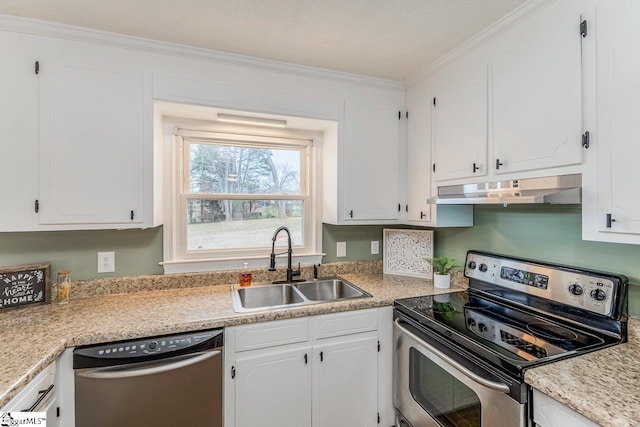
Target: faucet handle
point(296, 272)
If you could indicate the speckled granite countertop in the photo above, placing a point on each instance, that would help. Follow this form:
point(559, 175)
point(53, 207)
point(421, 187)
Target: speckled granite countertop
point(33, 337)
point(603, 386)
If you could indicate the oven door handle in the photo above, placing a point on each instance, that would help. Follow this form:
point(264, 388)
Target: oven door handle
point(475, 377)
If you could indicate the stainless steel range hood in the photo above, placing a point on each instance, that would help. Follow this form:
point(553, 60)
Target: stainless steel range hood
point(561, 189)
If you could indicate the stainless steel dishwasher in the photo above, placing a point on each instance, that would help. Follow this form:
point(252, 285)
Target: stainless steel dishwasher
point(163, 381)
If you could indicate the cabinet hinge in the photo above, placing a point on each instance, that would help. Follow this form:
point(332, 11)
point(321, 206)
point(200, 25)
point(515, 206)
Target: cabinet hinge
point(585, 139)
point(378, 346)
point(36, 206)
point(378, 417)
point(57, 411)
point(233, 372)
point(37, 67)
point(583, 28)
point(434, 101)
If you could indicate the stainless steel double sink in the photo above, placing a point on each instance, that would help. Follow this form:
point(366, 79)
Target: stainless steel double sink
point(271, 296)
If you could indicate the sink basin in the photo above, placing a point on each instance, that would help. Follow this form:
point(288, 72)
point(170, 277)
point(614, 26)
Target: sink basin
point(271, 296)
point(268, 296)
point(329, 290)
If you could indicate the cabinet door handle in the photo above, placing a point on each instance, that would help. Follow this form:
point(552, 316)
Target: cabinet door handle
point(351, 214)
point(422, 215)
point(498, 164)
point(322, 356)
point(306, 360)
point(609, 220)
point(475, 168)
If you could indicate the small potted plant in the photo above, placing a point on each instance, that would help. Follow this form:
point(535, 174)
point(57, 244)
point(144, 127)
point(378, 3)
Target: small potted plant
point(442, 266)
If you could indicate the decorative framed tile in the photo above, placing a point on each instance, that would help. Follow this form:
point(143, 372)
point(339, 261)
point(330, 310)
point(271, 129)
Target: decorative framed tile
point(405, 251)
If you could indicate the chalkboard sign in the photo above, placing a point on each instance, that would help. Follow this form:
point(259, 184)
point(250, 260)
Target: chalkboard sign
point(25, 285)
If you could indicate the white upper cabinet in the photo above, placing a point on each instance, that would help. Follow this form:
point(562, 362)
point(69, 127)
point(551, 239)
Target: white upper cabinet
point(537, 92)
point(91, 138)
point(419, 169)
point(19, 118)
point(611, 210)
point(370, 162)
point(459, 122)
point(512, 104)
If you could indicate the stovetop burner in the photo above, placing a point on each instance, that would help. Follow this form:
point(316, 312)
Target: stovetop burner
point(551, 332)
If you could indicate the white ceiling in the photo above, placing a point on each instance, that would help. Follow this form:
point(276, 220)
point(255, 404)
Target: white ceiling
point(390, 39)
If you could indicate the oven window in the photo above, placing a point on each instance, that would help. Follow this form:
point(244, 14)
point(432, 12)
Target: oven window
point(446, 399)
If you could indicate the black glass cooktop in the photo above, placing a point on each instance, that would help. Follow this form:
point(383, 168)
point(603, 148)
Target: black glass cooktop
point(516, 337)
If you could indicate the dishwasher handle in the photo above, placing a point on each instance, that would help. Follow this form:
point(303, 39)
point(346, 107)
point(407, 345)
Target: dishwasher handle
point(113, 373)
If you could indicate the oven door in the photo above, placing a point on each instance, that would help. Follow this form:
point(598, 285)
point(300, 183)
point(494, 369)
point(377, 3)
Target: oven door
point(433, 390)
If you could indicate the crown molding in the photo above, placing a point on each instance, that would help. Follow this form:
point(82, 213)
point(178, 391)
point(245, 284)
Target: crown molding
point(69, 32)
point(512, 19)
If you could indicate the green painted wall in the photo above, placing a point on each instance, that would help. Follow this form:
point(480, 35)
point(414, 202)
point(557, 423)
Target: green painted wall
point(548, 233)
point(137, 251)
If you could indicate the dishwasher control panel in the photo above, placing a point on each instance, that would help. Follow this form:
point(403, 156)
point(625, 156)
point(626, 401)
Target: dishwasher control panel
point(157, 346)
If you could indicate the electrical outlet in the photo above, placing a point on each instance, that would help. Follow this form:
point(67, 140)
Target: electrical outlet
point(375, 247)
point(106, 262)
point(341, 249)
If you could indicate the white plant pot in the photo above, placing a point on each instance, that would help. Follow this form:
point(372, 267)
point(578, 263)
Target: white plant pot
point(442, 281)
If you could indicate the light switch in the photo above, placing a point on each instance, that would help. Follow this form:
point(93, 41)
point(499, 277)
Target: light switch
point(341, 249)
point(375, 247)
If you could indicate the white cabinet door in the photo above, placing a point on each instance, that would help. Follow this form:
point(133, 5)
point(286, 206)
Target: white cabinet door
point(91, 142)
point(459, 122)
point(345, 383)
point(418, 159)
point(537, 92)
point(548, 412)
point(274, 389)
point(370, 162)
point(618, 113)
point(19, 119)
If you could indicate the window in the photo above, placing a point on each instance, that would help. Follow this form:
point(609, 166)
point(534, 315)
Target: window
point(233, 190)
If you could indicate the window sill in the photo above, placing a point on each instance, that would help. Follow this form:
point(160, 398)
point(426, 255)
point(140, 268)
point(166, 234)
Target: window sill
point(202, 265)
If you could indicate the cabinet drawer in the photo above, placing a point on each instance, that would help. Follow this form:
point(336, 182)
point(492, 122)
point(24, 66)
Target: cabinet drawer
point(270, 334)
point(349, 322)
point(32, 391)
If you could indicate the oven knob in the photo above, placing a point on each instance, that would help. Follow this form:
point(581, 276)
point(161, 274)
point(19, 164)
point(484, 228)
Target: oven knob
point(598, 295)
point(576, 289)
point(471, 265)
point(482, 327)
point(152, 345)
point(471, 322)
point(483, 267)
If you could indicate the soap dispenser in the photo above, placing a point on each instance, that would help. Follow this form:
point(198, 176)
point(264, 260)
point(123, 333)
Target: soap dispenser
point(245, 275)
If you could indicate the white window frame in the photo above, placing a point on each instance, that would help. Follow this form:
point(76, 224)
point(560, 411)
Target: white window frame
point(177, 259)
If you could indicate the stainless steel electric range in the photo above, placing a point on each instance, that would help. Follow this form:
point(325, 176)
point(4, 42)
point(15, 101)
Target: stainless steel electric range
point(460, 357)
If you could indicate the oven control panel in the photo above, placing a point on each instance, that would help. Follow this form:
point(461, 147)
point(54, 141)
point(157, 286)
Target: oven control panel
point(589, 291)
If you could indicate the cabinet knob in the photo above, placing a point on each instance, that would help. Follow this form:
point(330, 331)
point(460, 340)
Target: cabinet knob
point(609, 220)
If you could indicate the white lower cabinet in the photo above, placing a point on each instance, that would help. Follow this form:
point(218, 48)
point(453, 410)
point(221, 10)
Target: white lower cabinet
point(344, 383)
point(40, 395)
point(318, 371)
point(548, 412)
point(273, 389)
